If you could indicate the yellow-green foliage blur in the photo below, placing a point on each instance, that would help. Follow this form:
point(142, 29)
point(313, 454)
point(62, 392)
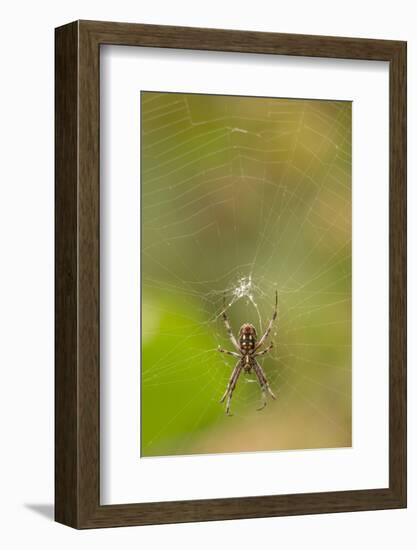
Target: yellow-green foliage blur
point(239, 197)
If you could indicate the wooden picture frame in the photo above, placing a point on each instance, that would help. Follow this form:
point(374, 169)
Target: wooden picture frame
point(77, 374)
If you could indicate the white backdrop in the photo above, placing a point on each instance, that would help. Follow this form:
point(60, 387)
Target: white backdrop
point(126, 479)
point(26, 290)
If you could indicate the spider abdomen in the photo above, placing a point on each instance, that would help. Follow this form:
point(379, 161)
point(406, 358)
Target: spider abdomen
point(247, 338)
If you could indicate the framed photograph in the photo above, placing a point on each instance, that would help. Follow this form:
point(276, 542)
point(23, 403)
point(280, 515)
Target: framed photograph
point(230, 274)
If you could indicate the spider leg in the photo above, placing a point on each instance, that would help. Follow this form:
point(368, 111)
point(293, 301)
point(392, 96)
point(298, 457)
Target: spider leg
point(231, 386)
point(263, 382)
point(228, 327)
point(271, 345)
point(227, 352)
point(271, 322)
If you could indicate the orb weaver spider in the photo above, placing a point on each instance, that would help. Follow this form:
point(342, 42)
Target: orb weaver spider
point(247, 348)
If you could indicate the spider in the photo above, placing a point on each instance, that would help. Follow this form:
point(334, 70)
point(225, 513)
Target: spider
point(247, 350)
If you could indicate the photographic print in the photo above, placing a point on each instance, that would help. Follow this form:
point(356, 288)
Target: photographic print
point(246, 274)
point(208, 215)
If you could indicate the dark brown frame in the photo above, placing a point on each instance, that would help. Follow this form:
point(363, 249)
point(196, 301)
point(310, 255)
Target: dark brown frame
point(77, 371)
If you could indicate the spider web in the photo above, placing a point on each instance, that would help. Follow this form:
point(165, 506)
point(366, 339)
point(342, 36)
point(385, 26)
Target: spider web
point(241, 197)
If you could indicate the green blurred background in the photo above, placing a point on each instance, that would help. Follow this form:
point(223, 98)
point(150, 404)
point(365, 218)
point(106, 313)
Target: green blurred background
point(241, 196)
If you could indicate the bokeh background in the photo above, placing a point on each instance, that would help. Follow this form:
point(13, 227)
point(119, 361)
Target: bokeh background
point(241, 196)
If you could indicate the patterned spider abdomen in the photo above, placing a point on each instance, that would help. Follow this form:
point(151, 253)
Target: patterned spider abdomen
point(247, 338)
